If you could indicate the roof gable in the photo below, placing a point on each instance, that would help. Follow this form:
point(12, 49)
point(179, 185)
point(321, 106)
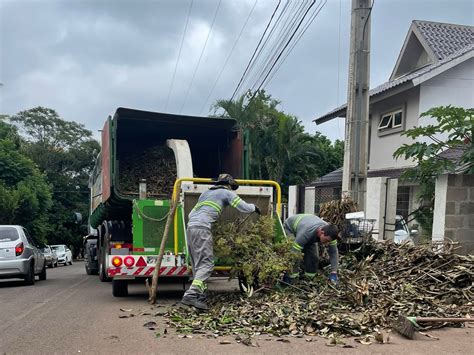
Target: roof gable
point(440, 45)
point(429, 42)
point(445, 39)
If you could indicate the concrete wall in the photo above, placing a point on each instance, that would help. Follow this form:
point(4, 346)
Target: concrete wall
point(453, 87)
point(309, 198)
point(382, 147)
point(455, 195)
point(292, 200)
point(381, 205)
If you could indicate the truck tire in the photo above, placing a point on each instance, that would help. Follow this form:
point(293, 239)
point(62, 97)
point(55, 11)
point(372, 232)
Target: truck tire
point(120, 288)
point(88, 270)
point(103, 268)
point(30, 276)
point(42, 275)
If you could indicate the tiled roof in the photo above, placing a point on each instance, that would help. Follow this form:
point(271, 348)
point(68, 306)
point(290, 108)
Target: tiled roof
point(444, 39)
point(334, 177)
point(447, 41)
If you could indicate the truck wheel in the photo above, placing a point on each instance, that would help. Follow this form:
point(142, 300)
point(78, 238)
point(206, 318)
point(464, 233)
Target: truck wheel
point(42, 275)
point(120, 288)
point(30, 276)
point(103, 269)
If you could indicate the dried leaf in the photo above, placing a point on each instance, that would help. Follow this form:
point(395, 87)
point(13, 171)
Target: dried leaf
point(150, 325)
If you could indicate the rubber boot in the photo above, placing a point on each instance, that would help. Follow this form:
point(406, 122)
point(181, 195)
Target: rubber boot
point(196, 301)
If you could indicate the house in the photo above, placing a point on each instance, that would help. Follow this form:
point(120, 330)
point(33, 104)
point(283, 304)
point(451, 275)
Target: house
point(434, 67)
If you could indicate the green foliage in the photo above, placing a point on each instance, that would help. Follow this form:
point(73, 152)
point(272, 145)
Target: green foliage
point(65, 152)
point(251, 251)
point(24, 192)
point(280, 149)
point(456, 124)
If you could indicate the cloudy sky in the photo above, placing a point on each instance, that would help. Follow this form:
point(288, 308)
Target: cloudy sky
point(85, 58)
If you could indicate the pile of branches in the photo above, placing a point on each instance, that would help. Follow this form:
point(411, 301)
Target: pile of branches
point(157, 165)
point(250, 248)
point(378, 283)
point(335, 211)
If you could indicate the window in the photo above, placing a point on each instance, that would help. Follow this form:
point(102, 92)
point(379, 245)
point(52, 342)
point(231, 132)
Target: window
point(8, 234)
point(391, 120)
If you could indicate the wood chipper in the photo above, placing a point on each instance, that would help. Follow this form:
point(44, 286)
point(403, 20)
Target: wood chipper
point(147, 159)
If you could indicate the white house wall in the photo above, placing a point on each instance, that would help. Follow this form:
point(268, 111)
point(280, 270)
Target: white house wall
point(383, 147)
point(453, 87)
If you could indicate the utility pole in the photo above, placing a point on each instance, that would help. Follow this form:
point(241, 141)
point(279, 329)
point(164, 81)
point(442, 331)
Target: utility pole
point(354, 178)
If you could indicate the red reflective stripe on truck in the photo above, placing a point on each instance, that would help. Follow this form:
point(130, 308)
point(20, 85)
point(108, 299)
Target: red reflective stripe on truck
point(149, 271)
point(138, 249)
point(182, 271)
point(138, 271)
point(170, 272)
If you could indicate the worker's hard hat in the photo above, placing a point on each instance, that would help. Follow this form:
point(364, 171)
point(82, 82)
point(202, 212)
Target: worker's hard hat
point(226, 179)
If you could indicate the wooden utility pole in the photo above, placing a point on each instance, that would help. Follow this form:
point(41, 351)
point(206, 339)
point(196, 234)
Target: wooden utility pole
point(354, 179)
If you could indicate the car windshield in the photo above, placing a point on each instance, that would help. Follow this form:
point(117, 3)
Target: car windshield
point(46, 250)
point(8, 234)
point(58, 247)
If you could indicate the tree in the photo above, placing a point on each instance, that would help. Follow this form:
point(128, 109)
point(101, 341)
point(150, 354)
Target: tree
point(25, 195)
point(457, 125)
point(280, 149)
point(65, 151)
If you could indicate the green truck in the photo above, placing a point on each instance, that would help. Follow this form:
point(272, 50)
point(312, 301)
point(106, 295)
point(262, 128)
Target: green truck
point(146, 157)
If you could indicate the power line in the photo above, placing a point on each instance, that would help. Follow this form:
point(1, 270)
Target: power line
point(282, 36)
point(286, 45)
point(228, 57)
point(200, 57)
point(316, 12)
point(179, 53)
point(287, 30)
point(256, 48)
point(263, 47)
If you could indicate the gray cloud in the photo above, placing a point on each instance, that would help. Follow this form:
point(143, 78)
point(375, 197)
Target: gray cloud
point(86, 58)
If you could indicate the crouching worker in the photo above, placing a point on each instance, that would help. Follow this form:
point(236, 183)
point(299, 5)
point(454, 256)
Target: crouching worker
point(310, 231)
point(207, 210)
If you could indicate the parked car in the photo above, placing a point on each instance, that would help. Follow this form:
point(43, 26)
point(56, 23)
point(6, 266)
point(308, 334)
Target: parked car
point(64, 254)
point(50, 256)
point(20, 255)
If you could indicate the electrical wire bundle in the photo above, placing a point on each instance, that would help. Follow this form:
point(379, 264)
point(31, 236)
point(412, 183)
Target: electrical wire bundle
point(285, 28)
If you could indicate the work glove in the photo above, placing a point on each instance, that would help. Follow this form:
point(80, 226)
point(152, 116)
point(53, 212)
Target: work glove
point(333, 278)
point(257, 210)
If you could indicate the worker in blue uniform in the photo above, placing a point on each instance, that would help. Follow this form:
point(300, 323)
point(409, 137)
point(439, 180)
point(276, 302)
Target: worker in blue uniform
point(200, 245)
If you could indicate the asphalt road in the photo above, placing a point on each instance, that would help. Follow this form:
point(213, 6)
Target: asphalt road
point(71, 312)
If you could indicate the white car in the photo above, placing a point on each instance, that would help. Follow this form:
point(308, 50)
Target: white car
point(63, 252)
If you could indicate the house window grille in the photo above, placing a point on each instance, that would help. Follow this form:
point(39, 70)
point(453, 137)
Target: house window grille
point(391, 120)
point(403, 201)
